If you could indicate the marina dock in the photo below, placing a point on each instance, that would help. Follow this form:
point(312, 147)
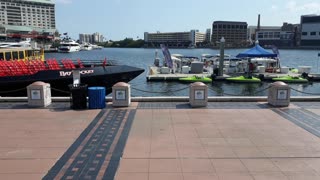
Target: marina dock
point(266, 76)
point(161, 140)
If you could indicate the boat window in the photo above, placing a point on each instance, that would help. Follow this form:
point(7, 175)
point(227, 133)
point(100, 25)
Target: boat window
point(15, 55)
point(1, 56)
point(21, 55)
point(8, 56)
point(29, 53)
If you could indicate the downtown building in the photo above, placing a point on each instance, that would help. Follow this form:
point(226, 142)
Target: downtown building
point(27, 18)
point(175, 39)
point(280, 36)
point(234, 33)
point(310, 31)
point(91, 38)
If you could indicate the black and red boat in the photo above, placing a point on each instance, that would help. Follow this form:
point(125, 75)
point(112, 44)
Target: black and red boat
point(26, 68)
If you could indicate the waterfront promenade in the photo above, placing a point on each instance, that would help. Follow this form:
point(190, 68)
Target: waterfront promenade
point(161, 140)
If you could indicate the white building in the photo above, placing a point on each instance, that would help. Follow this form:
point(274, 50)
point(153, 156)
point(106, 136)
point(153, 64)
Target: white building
point(24, 16)
point(310, 31)
point(175, 39)
point(91, 38)
point(85, 38)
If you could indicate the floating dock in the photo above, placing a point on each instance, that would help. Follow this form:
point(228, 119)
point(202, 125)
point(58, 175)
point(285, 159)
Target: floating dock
point(262, 76)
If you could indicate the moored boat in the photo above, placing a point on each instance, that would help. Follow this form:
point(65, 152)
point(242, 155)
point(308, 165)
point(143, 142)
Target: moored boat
point(68, 45)
point(291, 79)
point(196, 79)
point(244, 79)
point(21, 67)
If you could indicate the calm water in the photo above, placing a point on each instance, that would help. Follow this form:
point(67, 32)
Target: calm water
point(144, 57)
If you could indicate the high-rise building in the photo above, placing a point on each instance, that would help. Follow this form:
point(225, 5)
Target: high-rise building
point(91, 38)
point(97, 37)
point(25, 16)
point(85, 38)
point(208, 35)
point(310, 31)
point(235, 33)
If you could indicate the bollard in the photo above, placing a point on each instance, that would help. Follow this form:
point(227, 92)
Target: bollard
point(198, 94)
point(39, 94)
point(121, 94)
point(279, 94)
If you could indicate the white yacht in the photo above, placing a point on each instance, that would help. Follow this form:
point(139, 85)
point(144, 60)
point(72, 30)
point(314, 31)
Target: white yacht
point(94, 46)
point(86, 47)
point(68, 45)
point(21, 44)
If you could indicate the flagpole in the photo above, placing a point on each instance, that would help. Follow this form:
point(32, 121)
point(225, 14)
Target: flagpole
point(318, 62)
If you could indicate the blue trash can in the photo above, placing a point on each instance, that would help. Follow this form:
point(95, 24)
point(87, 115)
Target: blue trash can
point(97, 97)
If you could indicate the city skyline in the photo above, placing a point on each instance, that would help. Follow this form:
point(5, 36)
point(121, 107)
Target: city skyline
point(118, 19)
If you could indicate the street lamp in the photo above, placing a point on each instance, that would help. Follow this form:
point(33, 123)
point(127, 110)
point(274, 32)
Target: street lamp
point(222, 42)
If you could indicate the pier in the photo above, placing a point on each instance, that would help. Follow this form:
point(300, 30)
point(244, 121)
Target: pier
point(159, 138)
point(266, 76)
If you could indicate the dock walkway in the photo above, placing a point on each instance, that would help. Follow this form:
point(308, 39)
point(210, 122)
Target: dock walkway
point(161, 140)
point(266, 76)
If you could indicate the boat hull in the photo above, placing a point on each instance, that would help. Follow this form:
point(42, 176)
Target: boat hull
point(196, 79)
point(106, 76)
point(289, 79)
point(243, 79)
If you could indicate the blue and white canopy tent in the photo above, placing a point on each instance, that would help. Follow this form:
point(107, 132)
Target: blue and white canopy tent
point(256, 51)
point(259, 52)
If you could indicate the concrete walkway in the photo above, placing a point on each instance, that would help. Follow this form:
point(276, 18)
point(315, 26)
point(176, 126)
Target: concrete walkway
point(150, 141)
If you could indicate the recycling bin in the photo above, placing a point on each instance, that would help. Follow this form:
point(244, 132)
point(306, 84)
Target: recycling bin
point(96, 97)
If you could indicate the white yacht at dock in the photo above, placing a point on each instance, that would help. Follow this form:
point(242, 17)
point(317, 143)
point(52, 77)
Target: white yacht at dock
point(68, 45)
point(11, 44)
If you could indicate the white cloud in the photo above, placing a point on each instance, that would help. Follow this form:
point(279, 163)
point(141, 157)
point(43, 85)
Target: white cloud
point(63, 1)
point(306, 8)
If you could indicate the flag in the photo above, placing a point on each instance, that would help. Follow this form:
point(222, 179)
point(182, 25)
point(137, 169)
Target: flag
point(167, 55)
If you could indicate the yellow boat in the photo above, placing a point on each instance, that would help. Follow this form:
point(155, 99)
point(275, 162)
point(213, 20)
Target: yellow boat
point(21, 54)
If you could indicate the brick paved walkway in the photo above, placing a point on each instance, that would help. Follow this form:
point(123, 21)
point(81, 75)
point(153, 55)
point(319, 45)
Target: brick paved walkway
point(161, 141)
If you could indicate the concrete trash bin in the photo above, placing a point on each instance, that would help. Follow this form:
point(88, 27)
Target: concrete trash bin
point(121, 94)
point(198, 94)
point(97, 97)
point(78, 96)
point(39, 94)
point(279, 94)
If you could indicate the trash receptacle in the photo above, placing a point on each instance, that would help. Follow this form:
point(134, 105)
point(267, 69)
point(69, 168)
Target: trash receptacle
point(96, 97)
point(78, 96)
point(198, 94)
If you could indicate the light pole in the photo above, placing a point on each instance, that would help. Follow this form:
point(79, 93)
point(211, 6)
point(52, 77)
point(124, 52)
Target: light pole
point(222, 41)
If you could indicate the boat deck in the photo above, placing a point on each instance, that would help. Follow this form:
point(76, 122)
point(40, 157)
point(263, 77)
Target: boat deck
point(161, 140)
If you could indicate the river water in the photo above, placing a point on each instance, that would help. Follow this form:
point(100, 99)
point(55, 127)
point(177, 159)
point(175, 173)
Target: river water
point(143, 58)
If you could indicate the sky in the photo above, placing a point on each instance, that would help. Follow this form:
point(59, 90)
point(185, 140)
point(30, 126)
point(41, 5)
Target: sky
point(120, 19)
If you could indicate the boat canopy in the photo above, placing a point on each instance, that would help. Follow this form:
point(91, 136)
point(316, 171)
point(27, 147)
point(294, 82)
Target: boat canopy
point(256, 51)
